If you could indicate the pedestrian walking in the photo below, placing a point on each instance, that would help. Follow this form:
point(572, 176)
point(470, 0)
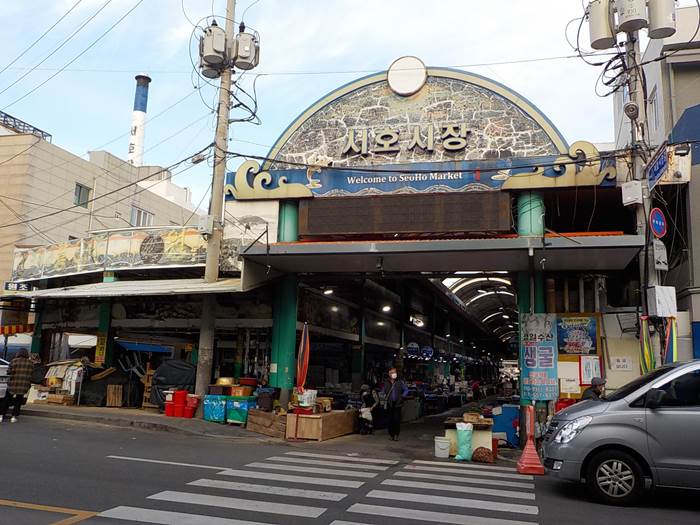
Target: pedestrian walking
point(20, 374)
point(395, 390)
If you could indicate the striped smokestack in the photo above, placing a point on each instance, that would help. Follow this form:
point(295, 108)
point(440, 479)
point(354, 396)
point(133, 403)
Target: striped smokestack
point(138, 120)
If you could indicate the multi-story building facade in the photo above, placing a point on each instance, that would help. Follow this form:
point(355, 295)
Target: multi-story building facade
point(51, 195)
point(672, 77)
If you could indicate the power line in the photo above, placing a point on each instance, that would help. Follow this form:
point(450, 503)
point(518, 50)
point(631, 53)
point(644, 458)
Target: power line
point(141, 190)
point(621, 153)
point(60, 46)
point(328, 72)
point(93, 44)
point(28, 48)
point(45, 205)
point(131, 184)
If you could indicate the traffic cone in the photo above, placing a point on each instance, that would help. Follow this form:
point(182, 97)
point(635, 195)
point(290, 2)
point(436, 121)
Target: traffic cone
point(529, 462)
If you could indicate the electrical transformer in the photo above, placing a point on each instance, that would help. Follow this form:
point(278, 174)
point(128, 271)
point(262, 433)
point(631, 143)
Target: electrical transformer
point(602, 24)
point(246, 51)
point(632, 15)
point(662, 18)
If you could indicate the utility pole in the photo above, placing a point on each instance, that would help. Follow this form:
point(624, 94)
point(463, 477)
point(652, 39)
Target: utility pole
point(640, 156)
point(207, 328)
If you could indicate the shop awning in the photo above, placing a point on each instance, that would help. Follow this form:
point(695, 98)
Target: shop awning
point(132, 288)
point(13, 329)
point(145, 347)
point(556, 253)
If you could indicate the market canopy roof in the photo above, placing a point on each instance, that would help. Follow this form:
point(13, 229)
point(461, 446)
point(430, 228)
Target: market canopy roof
point(557, 253)
point(131, 288)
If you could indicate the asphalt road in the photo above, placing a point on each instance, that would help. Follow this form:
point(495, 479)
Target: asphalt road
point(56, 472)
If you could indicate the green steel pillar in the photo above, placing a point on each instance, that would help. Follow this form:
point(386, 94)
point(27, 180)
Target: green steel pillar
point(36, 336)
point(104, 337)
point(103, 350)
point(284, 307)
point(530, 214)
point(531, 296)
point(284, 333)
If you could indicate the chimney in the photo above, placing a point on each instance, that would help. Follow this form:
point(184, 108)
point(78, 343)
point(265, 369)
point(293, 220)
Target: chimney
point(138, 120)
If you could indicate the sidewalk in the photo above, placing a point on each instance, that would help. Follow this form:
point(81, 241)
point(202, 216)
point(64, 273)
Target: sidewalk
point(136, 418)
point(416, 440)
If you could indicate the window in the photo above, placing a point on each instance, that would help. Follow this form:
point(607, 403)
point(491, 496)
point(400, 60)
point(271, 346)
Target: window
point(141, 217)
point(683, 391)
point(82, 195)
point(654, 110)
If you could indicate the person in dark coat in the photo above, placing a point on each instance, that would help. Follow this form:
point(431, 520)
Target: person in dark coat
point(20, 374)
point(595, 390)
point(395, 390)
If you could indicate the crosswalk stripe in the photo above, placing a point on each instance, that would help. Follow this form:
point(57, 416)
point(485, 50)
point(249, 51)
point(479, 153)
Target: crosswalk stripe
point(464, 465)
point(469, 481)
point(313, 470)
point(268, 489)
point(456, 488)
point(273, 476)
point(465, 473)
point(415, 497)
point(269, 507)
point(344, 458)
point(161, 462)
point(164, 517)
point(336, 522)
point(430, 516)
point(324, 462)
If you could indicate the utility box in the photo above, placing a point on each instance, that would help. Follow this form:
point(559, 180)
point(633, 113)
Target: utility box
point(205, 225)
point(661, 301)
point(632, 193)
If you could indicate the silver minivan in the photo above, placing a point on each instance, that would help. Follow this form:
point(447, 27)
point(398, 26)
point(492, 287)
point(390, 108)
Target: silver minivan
point(645, 434)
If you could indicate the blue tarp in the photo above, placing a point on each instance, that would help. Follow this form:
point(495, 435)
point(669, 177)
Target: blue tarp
point(145, 347)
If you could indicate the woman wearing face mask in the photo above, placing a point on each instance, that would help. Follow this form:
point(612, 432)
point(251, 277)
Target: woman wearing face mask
point(395, 390)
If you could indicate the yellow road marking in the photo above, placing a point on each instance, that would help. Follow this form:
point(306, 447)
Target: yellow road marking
point(77, 515)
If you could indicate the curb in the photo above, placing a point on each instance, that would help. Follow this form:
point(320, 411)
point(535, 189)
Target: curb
point(143, 425)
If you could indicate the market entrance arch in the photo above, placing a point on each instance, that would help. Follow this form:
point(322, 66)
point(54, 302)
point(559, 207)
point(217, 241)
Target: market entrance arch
point(449, 181)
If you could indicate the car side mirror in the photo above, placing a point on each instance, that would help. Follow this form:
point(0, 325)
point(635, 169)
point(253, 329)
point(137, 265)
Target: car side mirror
point(654, 398)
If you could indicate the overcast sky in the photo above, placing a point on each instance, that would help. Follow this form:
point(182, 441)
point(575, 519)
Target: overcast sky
point(89, 104)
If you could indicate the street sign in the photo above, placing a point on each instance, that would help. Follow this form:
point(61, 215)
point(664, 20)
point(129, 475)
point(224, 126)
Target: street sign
point(660, 255)
point(657, 166)
point(657, 223)
point(17, 287)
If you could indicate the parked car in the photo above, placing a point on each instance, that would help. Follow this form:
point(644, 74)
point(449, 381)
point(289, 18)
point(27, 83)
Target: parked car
point(4, 366)
point(643, 435)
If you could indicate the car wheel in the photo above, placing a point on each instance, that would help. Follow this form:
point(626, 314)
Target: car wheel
point(615, 477)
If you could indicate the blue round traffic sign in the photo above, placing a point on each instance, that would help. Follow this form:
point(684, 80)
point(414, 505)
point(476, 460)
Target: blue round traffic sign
point(657, 223)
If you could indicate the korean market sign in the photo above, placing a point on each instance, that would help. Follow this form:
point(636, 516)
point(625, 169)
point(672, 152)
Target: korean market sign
point(577, 334)
point(538, 357)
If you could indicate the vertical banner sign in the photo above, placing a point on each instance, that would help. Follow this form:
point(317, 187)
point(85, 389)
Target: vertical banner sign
point(101, 349)
point(538, 357)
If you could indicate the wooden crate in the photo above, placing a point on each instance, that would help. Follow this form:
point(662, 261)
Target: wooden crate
point(61, 399)
point(320, 427)
point(115, 395)
point(147, 381)
point(267, 423)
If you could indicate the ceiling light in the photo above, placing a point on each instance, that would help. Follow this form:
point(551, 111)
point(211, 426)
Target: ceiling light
point(481, 290)
point(448, 335)
point(386, 308)
point(328, 291)
point(461, 340)
point(506, 316)
point(380, 323)
point(334, 308)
